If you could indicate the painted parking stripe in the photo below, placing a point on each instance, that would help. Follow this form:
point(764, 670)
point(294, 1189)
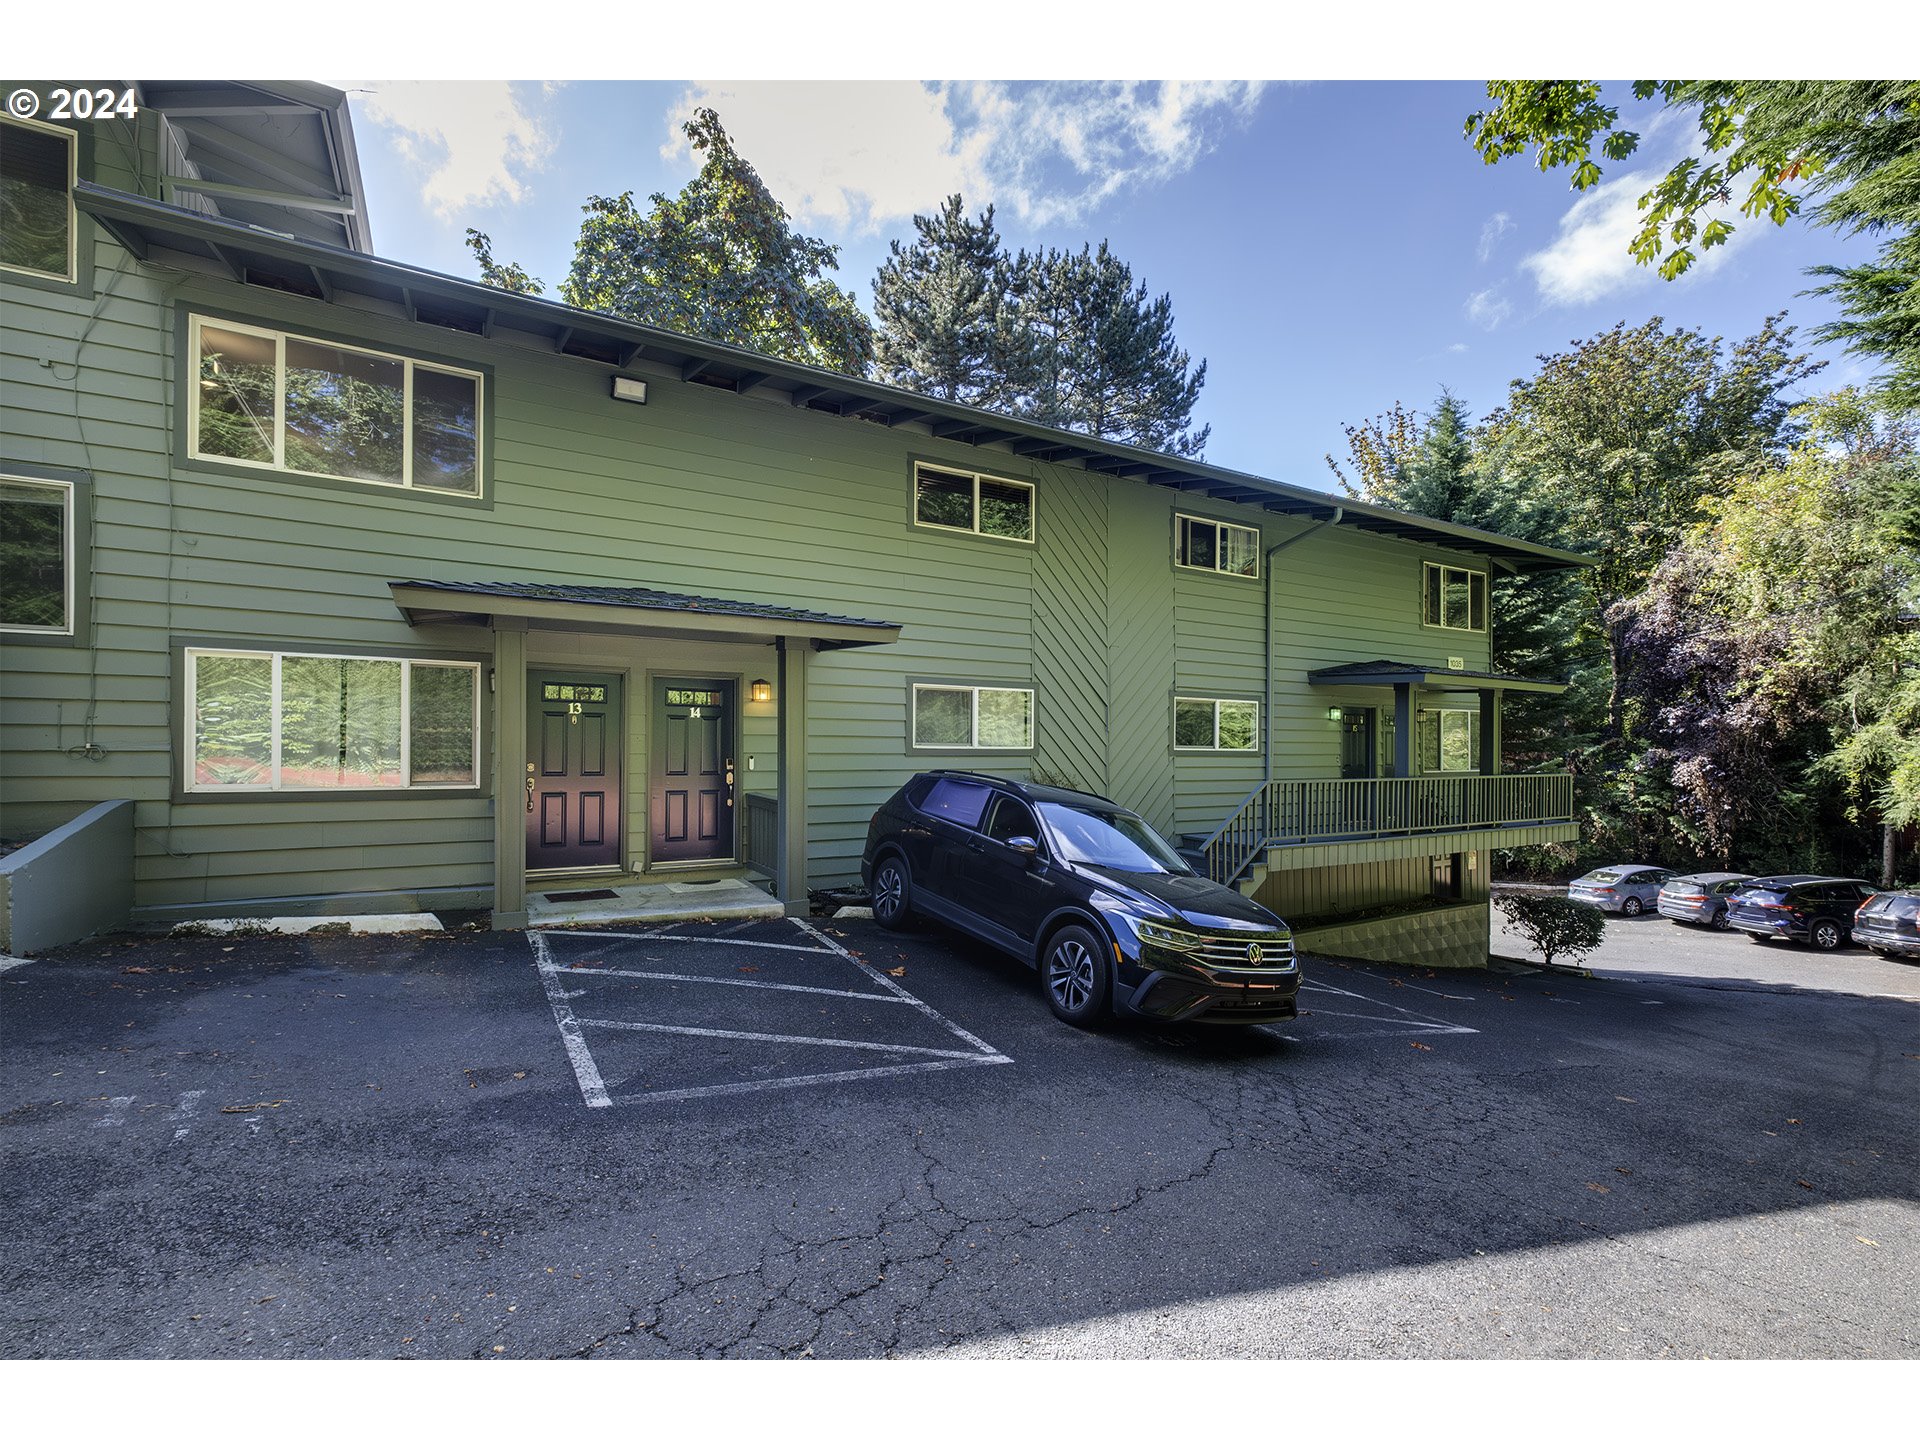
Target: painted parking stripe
point(592, 1088)
point(117, 1107)
point(586, 971)
point(781, 1039)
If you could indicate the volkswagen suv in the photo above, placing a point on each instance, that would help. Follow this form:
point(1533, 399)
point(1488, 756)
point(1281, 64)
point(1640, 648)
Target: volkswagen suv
point(1085, 892)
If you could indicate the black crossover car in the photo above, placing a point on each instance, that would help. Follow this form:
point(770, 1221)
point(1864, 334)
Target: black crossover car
point(1084, 891)
point(1815, 909)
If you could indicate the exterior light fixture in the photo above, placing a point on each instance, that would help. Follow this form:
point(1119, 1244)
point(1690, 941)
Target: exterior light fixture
point(1333, 712)
point(760, 691)
point(625, 389)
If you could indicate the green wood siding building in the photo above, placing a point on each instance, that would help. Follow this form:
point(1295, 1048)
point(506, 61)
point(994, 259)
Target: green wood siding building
point(749, 710)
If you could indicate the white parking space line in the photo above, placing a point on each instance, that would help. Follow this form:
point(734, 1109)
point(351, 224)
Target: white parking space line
point(593, 1087)
point(9, 962)
point(117, 1107)
point(782, 1039)
point(1414, 1022)
point(584, 972)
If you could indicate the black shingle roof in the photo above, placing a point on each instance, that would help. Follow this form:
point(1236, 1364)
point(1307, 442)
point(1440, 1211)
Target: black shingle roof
point(635, 598)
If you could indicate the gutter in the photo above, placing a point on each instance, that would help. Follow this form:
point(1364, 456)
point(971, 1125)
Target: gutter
point(1266, 638)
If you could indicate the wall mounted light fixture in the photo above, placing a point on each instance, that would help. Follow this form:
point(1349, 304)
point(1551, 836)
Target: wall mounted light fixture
point(1333, 712)
point(760, 691)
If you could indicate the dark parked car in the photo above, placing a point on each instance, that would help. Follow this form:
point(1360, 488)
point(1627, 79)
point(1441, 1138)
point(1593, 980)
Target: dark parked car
point(1815, 910)
point(1083, 890)
point(1626, 889)
point(1889, 924)
point(1700, 899)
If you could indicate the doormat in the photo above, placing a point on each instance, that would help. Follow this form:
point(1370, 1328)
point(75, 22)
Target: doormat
point(581, 895)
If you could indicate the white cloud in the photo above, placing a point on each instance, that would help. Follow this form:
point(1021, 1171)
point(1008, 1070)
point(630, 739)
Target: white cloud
point(1491, 233)
point(1589, 259)
point(1457, 348)
point(474, 141)
point(1489, 308)
point(860, 156)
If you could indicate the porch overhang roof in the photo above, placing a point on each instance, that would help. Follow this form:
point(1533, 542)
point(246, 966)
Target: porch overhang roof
point(1399, 672)
point(630, 610)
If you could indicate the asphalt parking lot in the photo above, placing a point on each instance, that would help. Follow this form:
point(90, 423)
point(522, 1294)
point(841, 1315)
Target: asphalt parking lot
point(772, 1139)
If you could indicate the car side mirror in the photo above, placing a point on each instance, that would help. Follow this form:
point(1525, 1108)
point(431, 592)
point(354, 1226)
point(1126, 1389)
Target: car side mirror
point(1025, 846)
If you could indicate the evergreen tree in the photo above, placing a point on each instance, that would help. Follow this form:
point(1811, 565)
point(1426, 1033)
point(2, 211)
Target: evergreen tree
point(1085, 348)
point(936, 306)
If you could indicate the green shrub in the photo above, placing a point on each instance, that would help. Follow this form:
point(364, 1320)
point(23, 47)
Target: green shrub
point(1554, 926)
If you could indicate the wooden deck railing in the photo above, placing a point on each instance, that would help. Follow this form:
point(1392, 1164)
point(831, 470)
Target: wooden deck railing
point(1302, 812)
point(762, 839)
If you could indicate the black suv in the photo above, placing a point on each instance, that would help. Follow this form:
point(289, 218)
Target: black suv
point(1084, 891)
point(1815, 909)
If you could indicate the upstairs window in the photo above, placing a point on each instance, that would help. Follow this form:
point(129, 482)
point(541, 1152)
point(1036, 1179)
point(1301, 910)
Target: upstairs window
point(972, 717)
point(1215, 545)
point(1215, 724)
point(36, 556)
point(37, 169)
point(313, 407)
point(977, 504)
point(1455, 599)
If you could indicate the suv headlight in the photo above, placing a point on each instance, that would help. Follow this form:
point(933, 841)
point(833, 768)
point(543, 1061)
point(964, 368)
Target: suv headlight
point(1152, 932)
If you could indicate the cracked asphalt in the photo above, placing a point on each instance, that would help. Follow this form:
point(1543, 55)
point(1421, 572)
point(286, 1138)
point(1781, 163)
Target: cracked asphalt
point(379, 1147)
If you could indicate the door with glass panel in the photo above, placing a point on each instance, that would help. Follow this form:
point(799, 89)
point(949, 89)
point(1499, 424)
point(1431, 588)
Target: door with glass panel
point(691, 790)
point(573, 794)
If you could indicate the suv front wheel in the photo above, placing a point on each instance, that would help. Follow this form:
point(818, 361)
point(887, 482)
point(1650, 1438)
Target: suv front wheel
point(1077, 977)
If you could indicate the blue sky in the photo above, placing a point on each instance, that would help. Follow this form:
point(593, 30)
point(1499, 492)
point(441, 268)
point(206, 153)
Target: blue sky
point(1330, 247)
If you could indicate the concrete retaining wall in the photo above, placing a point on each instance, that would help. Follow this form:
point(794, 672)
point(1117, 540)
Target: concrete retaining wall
point(1456, 937)
point(70, 882)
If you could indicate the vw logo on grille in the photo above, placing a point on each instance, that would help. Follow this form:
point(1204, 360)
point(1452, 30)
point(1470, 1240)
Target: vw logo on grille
point(1255, 954)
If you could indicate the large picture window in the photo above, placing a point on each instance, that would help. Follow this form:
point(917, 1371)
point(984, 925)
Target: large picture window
point(37, 228)
point(263, 720)
point(314, 407)
point(1216, 545)
point(36, 556)
point(1447, 741)
point(972, 717)
point(1454, 599)
point(978, 504)
point(1215, 724)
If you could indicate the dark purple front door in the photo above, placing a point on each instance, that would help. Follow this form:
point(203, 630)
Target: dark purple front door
point(690, 792)
point(573, 770)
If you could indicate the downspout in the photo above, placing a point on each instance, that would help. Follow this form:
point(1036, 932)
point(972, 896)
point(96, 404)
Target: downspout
point(1266, 632)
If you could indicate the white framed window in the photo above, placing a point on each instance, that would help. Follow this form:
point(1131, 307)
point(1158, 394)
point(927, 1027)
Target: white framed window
point(971, 717)
point(37, 558)
point(39, 232)
point(1216, 545)
point(280, 401)
point(989, 505)
point(1209, 724)
point(1453, 598)
point(292, 721)
point(1447, 741)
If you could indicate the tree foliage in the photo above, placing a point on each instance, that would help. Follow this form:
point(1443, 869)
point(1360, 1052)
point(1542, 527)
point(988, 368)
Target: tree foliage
point(510, 277)
point(937, 311)
point(1554, 925)
point(1851, 147)
point(721, 260)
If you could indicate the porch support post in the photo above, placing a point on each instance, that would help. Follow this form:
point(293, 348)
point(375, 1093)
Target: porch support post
point(509, 779)
point(1403, 730)
point(791, 730)
point(1489, 732)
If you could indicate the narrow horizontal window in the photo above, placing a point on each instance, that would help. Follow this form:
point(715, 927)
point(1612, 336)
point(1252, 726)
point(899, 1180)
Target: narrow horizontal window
point(263, 720)
point(977, 504)
point(36, 556)
point(972, 717)
point(315, 407)
point(1200, 544)
point(37, 167)
point(1205, 724)
point(1453, 598)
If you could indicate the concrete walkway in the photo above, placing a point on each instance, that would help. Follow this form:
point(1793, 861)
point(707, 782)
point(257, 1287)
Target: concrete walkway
point(583, 902)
